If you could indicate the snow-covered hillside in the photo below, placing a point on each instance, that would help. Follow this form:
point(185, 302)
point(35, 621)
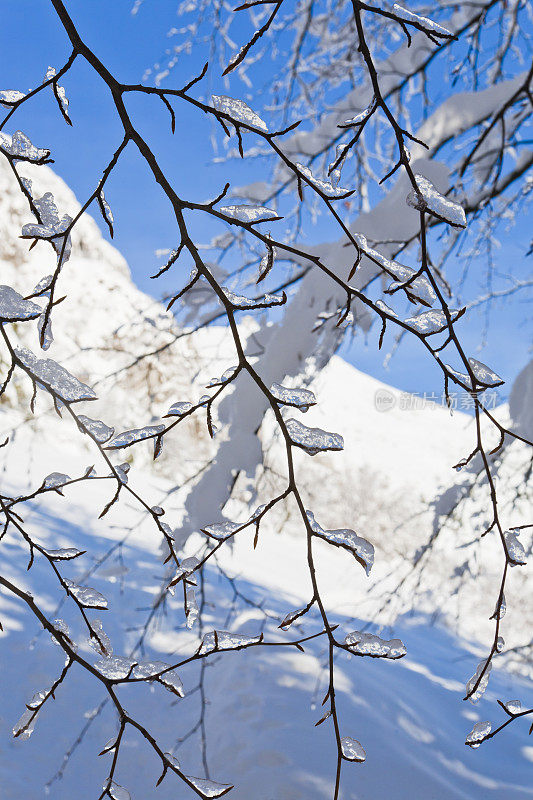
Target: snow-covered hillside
point(263, 703)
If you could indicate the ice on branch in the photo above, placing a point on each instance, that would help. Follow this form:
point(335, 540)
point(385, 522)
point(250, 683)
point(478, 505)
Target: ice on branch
point(128, 438)
point(313, 440)
point(477, 734)
point(172, 681)
point(186, 568)
point(500, 610)
point(484, 374)
point(44, 326)
point(25, 726)
point(238, 111)
point(428, 24)
point(291, 617)
point(85, 595)
point(14, 308)
point(299, 398)
point(359, 118)
point(52, 226)
point(224, 378)
point(209, 788)
point(515, 551)
point(100, 641)
point(61, 626)
point(352, 750)
point(9, 97)
point(64, 554)
point(172, 760)
point(222, 530)
point(117, 792)
point(192, 611)
point(121, 472)
point(224, 640)
point(97, 429)
point(250, 215)
point(178, 409)
point(368, 644)
point(427, 198)
point(39, 698)
point(55, 480)
point(60, 93)
point(148, 669)
point(115, 668)
point(43, 285)
point(420, 288)
point(482, 667)
point(429, 322)
point(106, 210)
point(50, 373)
point(348, 539)
point(238, 301)
point(20, 147)
point(513, 706)
point(325, 187)
point(385, 308)
point(267, 262)
point(340, 158)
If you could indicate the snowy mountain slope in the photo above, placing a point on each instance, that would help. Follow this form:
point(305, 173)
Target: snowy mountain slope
point(262, 703)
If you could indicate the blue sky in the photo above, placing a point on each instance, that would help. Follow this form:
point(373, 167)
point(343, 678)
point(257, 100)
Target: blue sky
point(31, 39)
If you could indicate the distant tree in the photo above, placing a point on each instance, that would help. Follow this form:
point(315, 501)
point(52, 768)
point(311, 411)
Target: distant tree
point(426, 122)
